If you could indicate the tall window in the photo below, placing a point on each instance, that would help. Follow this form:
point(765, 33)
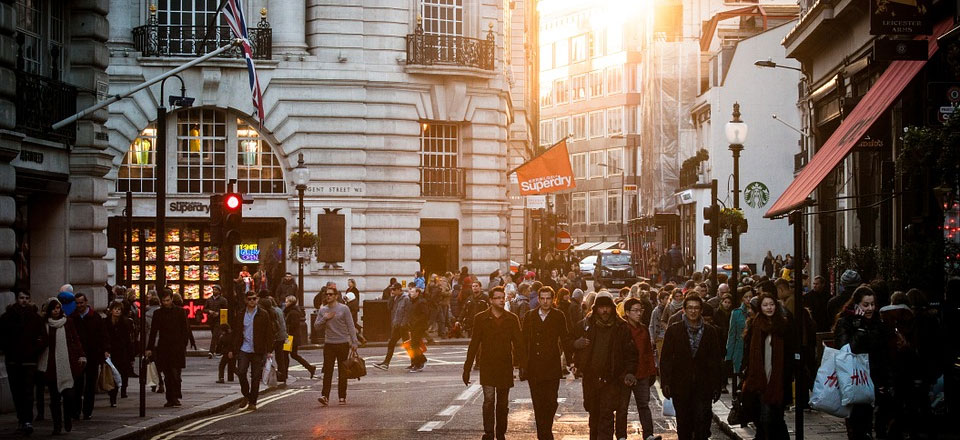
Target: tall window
point(201, 151)
point(578, 87)
point(580, 126)
point(546, 132)
point(613, 206)
point(442, 17)
point(258, 170)
point(596, 44)
point(136, 172)
point(579, 208)
point(596, 83)
point(580, 165)
point(597, 213)
point(596, 158)
point(546, 96)
point(40, 22)
point(614, 79)
point(614, 161)
point(578, 48)
point(182, 16)
point(596, 124)
point(439, 145)
point(563, 128)
point(615, 120)
point(561, 91)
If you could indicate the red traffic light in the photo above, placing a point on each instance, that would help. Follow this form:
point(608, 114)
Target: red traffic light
point(232, 201)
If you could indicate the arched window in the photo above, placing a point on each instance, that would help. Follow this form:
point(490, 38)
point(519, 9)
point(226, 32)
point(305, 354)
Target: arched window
point(137, 168)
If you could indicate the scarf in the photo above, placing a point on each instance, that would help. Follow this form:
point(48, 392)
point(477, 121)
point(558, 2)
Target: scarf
point(695, 334)
point(771, 391)
point(64, 375)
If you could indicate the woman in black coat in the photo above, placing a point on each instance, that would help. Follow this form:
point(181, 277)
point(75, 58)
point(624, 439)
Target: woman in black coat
point(170, 351)
point(293, 317)
point(121, 336)
point(773, 387)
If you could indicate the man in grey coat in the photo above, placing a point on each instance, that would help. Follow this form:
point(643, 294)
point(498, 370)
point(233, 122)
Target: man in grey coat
point(400, 323)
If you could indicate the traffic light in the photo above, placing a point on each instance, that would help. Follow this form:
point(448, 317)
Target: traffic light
point(216, 219)
point(711, 220)
point(232, 214)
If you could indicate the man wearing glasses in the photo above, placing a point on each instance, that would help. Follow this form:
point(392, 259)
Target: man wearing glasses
point(642, 379)
point(690, 369)
point(255, 342)
point(339, 338)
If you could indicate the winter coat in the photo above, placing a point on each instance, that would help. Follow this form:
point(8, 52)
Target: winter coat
point(866, 336)
point(293, 317)
point(263, 331)
point(93, 335)
point(24, 334)
point(645, 362)
point(279, 326)
point(682, 373)
point(74, 350)
point(735, 343)
point(285, 289)
point(544, 341)
point(212, 308)
point(817, 302)
point(474, 305)
point(170, 351)
point(623, 352)
point(122, 338)
point(419, 314)
point(400, 311)
point(496, 345)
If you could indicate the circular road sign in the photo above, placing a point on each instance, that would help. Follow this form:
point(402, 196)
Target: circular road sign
point(564, 240)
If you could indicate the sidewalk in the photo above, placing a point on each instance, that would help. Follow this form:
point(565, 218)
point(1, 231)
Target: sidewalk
point(816, 425)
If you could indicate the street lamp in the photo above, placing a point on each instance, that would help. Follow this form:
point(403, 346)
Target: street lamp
point(302, 175)
point(623, 176)
point(736, 131)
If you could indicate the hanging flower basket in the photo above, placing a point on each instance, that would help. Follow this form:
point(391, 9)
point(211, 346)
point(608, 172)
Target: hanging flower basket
point(308, 243)
point(733, 220)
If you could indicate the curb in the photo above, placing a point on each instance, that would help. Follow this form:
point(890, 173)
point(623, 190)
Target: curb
point(381, 344)
point(720, 413)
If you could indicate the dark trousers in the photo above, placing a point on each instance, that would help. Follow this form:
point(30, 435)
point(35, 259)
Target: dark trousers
point(283, 361)
point(85, 388)
point(641, 393)
point(495, 401)
point(772, 426)
point(171, 381)
point(215, 336)
point(295, 355)
point(230, 365)
point(396, 334)
point(335, 353)
point(419, 359)
point(250, 388)
point(121, 387)
point(544, 396)
point(860, 422)
point(60, 401)
point(694, 417)
point(39, 389)
point(601, 400)
point(21, 379)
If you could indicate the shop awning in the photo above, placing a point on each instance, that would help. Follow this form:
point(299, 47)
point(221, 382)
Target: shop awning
point(890, 84)
point(585, 246)
point(605, 245)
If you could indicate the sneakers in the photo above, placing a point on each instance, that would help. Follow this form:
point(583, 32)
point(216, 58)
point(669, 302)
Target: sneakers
point(169, 405)
point(177, 404)
point(381, 366)
point(323, 400)
point(415, 370)
point(251, 407)
point(343, 401)
point(220, 380)
point(244, 403)
point(27, 429)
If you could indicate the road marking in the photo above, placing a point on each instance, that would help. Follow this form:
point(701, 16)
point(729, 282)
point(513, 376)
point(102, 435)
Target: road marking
point(430, 426)
point(213, 419)
point(529, 400)
point(468, 393)
point(450, 410)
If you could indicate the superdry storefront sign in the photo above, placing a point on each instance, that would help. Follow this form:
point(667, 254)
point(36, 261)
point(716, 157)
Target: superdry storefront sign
point(546, 173)
point(188, 208)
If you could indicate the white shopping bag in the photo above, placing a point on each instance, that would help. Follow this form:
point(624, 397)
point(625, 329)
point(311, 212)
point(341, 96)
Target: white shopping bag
point(270, 373)
point(116, 373)
point(853, 373)
point(668, 409)
point(153, 376)
point(826, 395)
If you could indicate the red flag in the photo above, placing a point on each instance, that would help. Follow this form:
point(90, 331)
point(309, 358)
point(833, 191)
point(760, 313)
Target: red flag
point(547, 173)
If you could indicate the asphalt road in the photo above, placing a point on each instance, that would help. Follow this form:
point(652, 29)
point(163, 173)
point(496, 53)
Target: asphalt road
point(395, 404)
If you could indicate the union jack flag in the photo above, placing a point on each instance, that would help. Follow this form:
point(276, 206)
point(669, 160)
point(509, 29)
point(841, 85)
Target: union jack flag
point(234, 15)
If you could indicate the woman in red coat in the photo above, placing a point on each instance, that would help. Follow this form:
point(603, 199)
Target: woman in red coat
point(61, 361)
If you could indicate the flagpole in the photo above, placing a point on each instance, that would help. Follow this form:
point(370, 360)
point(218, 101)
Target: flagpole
point(210, 23)
point(115, 98)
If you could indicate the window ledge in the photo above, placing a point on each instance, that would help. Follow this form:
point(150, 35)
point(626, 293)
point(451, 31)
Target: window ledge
point(449, 70)
point(219, 62)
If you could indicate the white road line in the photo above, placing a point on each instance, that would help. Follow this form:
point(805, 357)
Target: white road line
point(430, 426)
point(210, 420)
point(450, 410)
point(468, 393)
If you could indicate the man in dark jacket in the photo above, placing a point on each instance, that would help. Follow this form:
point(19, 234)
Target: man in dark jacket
point(496, 338)
point(286, 288)
point(212, 308)
point(22, 342)
point(399, 319)
point(93, 335)
point(690, 370)
point(294, 319)
point(607, 358)
point(545, 335)
point(476, 303)
point(817, 300)
point(170, 324)
point(419, 322)
point(849, 282)
point(252, 345)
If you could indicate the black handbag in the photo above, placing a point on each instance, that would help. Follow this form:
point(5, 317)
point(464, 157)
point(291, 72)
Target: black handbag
point(735, 417)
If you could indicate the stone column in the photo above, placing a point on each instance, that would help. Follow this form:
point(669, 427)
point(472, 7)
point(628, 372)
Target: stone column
point(288, 20)
point(9, 149)
point(89, 159)
point(123, 18)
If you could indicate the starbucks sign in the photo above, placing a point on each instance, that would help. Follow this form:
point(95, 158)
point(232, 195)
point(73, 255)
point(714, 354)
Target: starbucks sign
point(756, 194)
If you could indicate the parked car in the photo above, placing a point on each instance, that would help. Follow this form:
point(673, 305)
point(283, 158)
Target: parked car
point(614, 269)
point(587, 265)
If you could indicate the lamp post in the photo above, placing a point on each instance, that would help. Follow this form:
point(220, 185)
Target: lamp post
point(303, 176)
point(622, 182)
point(736, 131)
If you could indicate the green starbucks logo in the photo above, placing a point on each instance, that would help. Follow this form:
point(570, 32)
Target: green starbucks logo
point(756, 194)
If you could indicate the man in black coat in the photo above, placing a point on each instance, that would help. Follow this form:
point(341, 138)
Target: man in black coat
point(168, 338)
point(23, 340)
point(253, 344)
point(607, 358)
point(497, 341)
point(96, 344)
point(690, 370)
point(545, 337)
point(212, 308)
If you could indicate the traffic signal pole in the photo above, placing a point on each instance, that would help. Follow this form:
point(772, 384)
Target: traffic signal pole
point(713, 243)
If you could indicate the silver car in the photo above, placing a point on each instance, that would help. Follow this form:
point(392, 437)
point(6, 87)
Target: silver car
point(587, 265)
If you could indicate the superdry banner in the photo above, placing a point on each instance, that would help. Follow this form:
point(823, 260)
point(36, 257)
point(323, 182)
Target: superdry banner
point(547, 173)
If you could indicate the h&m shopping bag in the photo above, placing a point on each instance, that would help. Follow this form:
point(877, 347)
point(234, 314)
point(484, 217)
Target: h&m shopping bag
point(668, 409)
point(153, 376)
point(270, 372)
point(826, 395)
point(105, 382)
point(853, 373)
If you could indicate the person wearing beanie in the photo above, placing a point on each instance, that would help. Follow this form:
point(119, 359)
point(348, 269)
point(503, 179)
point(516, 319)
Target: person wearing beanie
point(606, 356)
point(849, 282)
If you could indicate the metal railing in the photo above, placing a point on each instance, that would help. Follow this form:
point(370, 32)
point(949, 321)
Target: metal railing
point(155, 40)
point(428, 49)
point(443, 182)
point(40, 103)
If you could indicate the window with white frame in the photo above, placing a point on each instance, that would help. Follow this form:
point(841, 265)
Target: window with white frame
point(596, 124)
point(561, 53)
point(546, 132)
point(258, 169)
point(201, 150)
point(615, 120)
point(578, 87)
point(546, 96)
point(578, 48)
point(580, 165)
point(439, 145)
point(595, 164)
point(441, 17)
point(596, 83)
point(597, 212)
point(614, 161)
point(596, 44)
point(580, 126)
point(614, 79)
point(181, 16)
point(613, 206)
point(563, 128)
point(136, 173)
point(578, 207)
point(633, 81)
point(561, 92)
point(40, 24)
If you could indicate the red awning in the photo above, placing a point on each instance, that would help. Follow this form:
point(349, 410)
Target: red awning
point(853, 127)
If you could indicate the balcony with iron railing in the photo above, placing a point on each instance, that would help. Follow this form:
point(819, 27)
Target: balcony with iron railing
point(443, 182)
point(156, 40)
point(451, 51)
point(42, 102)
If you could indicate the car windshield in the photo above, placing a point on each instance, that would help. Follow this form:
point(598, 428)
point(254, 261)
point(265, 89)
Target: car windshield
point(616, 259)
point(589, 260)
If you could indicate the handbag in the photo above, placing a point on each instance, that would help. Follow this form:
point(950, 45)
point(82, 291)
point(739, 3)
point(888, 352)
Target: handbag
point(288, 346)
point(853, 375)
point(826, 395)
point(270, 373)
point(354, 367)
point(735, 417)
point(668, 409)
point(117, 379)
point(105, 382)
